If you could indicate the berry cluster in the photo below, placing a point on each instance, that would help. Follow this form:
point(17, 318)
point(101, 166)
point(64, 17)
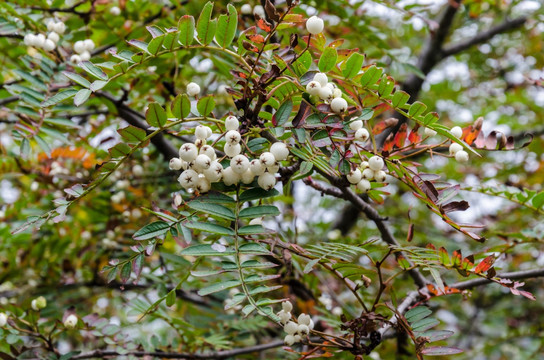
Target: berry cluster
point(295, 330)
point(38, 303)
point(368, 171)
point(328, 92)
point(83, 49)
point(48, 43)
point(246, 9)
point(455, 149)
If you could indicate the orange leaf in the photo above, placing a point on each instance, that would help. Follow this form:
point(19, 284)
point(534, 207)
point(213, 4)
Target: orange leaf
point(400, 136)
point(484, 265)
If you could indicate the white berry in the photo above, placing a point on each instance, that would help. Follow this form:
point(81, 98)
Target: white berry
point(325, 93)
point(175, 164)
point(246, 9)
point(79, 47)
point(231, 150)
point(304, 319)
point(232, 123)
point(30, 39)
point(230, 177)
point(85, 56)
point(203, 185)
point(375, 163)
point(239, 164)
point(356, 125)
point(362, 134)
point(336, 93)
point(49, 45)
point(39, 40)
point(188, 152)
point(232, 137)
point(457, 131)
point(367, 174)
point(267, 159)
point(322, 79)
point(380, 176)
point(75, 59)
point(289, 340)
point(259, 10)
point(461, 156)
point(287, 306)
point(303, 329)
point(115, 11)
point(267, 181)
point(208, 151)
point(363, 185)
point(283, 315)
point(429, 132)
point(256, 167)
point(454, 148)
point(59, 28)
point(247, 178)
point(354, 176)
point(313, 88)
point(53, 36)
point(279, 150)
point(137, 170)
point(202, 162)
point(214, 172)
point(290, 328)
point(202, 132)
point(314, 25)
point(3, 319)
point(188, 178)
point(88, 45)
point(71, 321)
point(339, 105)
point(193, 89)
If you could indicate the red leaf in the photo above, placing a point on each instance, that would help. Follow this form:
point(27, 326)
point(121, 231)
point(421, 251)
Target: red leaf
point(263, 24)
point(382, 125)
point(456, 258)
point(414, 137)
point(485, 264)
point(400, 136)
point(259, 39)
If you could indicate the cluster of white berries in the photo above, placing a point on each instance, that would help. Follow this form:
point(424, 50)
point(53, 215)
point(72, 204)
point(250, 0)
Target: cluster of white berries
point(246, 9)
point(295, 330)
point(201, 166)
point(361, 133)
point(328, 92)
point(456, 149)
point(83, 49)
point(38, 303)
point(48, 43)
point(369, 170)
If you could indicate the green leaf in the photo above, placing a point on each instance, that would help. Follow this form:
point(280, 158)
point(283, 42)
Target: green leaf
point(171, 298)
point(282, 115)
point(142, 45)
point(82, 96)
point(119, 150)
point(371, 76)
point(310, 265)
point(226, 27)
point(205, 250)
point(258, 211)
point(252, 230)
point(152, 230)
point(78, 79)
point(155, 115)
point(209, 227)
point(219, 287)
point(93, 70)
point(132, 134)
point(216, 197)
point(538, 200)
point(253, 249)
point(328, 59)
point(440, 350)
point(257, 193)
point(417, 313)
point(417, 108)
point(155, 45)
point(205, 105)
point(31, 79)
point(43, 145)
point(58, 97)
point(125, 272)
point(353, 65)
point(213, 209)
point(186, 26)
point(97, 85)
point(425, 324)
point(181, 107)
point(399, 99)
point(205, 27)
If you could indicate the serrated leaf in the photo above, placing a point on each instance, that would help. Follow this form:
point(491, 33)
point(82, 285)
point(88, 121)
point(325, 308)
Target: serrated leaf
point(58, 97)
point(186, 26)
point(213, 209)
point(151, 231)
point(328, 58)
point(258, 211)
point(205, 27)
point(205, 250)
point(78, 79)
point(205, 105)
point(209, 227)
point(155, 115)
point(82, 96)
point(93, 70)
point(226, 27)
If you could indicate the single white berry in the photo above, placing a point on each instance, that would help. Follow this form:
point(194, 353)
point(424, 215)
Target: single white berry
point(313, 88)
point(354, 176)
point(314, 25)
point(193, 89)
point(284, 315)
point(259, 221)
point(175, 164)
point(375, 163)
point(380, 176)
point(50, 23)
point(363, 185)
point(298, 338)
point(203, 185)
point(71, 321)
point(202, 162)
point(53, 36)
point(322, 79)
point(246, 9)
point(303, 329)
point(325, 93)
point(457, 131)
point(232, 123)
point(29, 39)
point(257, 167)
point(267, 159)
point(3, 319)
point(339, 105)
point(202, 132)
point(49, 45)
point(362, 134)
point(356, 125)
point(289, 340)
point(304, 319)
point(231, 150)
point(429, 132)
point(214, 172)
point(259, 10)
point(177, 200)
point(455, 147)
point(232, 137)
point(287, 306)
point(137, 170)
point(290, 328)
point(230, 177)
point(75, 59)
point(267, 181)
point(88, 44)
point(311, 325)
point(461, 156)
point(188, 152)
point(188, 178)
point(39, 40)
point(336, 93)
point(115, 11)
point(364, 165)
point(332, 86)
point(367, 174)
point(200, 143)
point(208, 151)
point(279, 150)
point(59, 28)
point(85, 56)
point(273, 168)
point(247, 178)
point(239, 164)
point(79, 46)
